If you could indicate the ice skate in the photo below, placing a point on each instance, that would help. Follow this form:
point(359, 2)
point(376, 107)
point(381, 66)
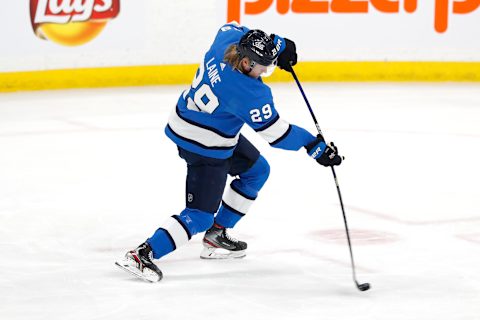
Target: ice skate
point(217, 244)
point(139, 263)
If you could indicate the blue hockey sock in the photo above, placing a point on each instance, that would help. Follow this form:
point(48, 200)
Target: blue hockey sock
point(161, 243)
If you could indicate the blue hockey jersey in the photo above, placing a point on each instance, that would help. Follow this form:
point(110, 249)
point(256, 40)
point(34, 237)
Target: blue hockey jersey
point(209, 115)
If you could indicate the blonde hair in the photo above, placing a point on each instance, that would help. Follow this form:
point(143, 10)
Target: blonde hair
point(233, 58)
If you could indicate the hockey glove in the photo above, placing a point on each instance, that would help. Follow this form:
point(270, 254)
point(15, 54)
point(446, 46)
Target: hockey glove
point(288, 57)
point(325, 154)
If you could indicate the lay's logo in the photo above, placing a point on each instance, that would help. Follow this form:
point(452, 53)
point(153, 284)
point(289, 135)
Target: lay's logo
point(71, 22)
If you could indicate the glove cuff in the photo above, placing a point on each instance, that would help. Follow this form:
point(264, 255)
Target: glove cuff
point(317, 151)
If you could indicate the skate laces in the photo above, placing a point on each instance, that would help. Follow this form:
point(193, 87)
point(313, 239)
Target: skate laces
point(229, 237)
point(145, 248)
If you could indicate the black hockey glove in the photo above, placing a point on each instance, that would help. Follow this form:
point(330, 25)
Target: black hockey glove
point(288, 57)
point(325, 154)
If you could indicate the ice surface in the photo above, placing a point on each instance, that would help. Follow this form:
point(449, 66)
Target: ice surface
point(87, 174)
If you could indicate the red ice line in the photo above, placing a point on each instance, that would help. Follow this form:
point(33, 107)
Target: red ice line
point(475, 238)
point(409, 222)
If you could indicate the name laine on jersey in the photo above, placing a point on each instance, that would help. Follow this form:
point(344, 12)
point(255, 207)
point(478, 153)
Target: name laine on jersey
point(213, 75)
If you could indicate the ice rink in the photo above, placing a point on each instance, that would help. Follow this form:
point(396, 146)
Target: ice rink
point(86, 175)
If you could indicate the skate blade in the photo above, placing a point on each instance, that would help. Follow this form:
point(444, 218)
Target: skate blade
point(218, 253)
point(146, 275)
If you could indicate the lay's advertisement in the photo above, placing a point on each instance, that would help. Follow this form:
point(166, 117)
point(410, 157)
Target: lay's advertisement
point(71, 23)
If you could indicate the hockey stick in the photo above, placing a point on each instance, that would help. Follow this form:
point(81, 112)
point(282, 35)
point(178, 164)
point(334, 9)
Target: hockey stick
point(362, 286)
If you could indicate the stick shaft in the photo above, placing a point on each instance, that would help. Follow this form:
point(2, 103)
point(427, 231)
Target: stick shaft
point(346, 225)
point(334, 176)
point(308, 103)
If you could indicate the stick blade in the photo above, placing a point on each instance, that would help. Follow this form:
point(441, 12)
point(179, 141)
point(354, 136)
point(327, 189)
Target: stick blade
point(363, 286)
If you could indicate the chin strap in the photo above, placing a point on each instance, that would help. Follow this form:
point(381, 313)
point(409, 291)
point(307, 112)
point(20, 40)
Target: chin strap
point(252, 65)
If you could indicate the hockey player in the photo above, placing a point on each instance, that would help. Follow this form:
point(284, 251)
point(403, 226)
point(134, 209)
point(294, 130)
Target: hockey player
point(227, 92)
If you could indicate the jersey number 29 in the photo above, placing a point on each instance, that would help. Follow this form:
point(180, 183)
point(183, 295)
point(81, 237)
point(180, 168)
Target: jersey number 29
point(260, 115)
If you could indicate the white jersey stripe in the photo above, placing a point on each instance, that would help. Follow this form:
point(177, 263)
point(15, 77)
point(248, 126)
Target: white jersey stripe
point(275, 131)
point(176, 231)
point(236, 201)
point(204, 136)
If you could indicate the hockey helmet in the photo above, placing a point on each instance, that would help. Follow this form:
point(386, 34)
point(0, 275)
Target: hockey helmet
point(259, 47)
